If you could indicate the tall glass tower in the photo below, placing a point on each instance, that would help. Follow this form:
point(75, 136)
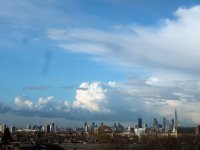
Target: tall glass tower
point(139, 122)
point(176, 119)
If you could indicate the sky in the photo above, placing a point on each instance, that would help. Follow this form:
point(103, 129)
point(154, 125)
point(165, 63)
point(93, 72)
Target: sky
point(70, 61)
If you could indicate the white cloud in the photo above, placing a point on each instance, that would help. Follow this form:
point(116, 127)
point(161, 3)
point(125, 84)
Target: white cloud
point(188, 111)
point(90, 96)
point(43, 102)
point(152, 80)
point(153, 100)
point(23, 103)
point(66, 106)
point(112, 84)
point(169, 49)
point(126, 101)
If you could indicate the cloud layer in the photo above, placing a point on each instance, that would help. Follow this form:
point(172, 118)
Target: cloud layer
point(90, 96)
point(118, 102)
point(172, 46)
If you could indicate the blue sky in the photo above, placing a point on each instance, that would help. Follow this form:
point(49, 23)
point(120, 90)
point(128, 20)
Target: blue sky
point(109, 60)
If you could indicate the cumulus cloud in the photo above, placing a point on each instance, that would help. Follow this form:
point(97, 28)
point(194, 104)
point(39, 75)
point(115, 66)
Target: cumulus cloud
point(120, 101)
point(43, 107)
point(90, 99)
point(139, 97)
point(182, 95)
point(112, 84)
point(44, 103)
point(22, 102)
point(172, 46)
point(90, 96)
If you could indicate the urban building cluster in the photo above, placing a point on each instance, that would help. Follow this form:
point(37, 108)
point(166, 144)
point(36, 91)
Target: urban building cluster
point(93, 133)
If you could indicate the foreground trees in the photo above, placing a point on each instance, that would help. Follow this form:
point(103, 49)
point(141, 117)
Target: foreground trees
point(6, 138)
point(151, 142)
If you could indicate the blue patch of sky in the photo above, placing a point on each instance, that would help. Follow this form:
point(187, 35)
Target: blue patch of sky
point(132, 11)
point(28, 66)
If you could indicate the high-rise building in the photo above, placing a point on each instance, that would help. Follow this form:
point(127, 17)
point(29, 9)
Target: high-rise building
point(172, 126)
point(85, 124)
point(177, 124)
point(139, 122)
point(145, 125)
point(86, 128)
point(120, 127)
point(93, 125)
point(35, 127)
point(40, 128)
point(167, 128)
point(47, 128)
point(115, 125)
point(164, 123)
point(2, 128)
point(53, 127)
point(155, 123)
point(12, 129)
point(28, 126)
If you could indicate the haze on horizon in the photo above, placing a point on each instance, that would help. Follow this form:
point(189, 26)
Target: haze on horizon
point(69, 61)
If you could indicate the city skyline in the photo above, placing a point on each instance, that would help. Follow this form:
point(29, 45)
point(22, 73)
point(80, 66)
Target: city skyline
point(99, 60)
point(163, 123)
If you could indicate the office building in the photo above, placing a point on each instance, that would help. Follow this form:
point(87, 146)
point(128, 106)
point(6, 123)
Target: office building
point(85, 124)
point(155, 123)
point(164, 123)
point(139, 122)
point(177, 123)
point(53, 127)
point(2, 128)
point(28, 126)
point(12, 129)
point(47, 128)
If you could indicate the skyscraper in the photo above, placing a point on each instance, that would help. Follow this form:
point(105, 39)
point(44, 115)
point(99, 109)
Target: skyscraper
point(167, 127)
point(93, 126)
point(155, 123)
point(28, 126)
point(47, 128)
point(53, 127)
point(12, 129)
point(85, 124)
point(176, 119)
point(164, 124)
point(86, 127)
point(115, 125)
point(172, 125)
point(139, 122)
point(2, 128)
